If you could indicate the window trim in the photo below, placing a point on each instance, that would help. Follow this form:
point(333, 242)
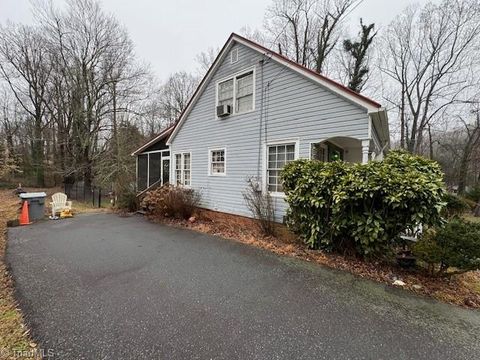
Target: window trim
point(234, 76)
point(266, 145)
point(210, 150)
point(182, 168)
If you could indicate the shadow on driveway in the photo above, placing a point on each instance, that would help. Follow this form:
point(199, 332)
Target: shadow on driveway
point(101, 286)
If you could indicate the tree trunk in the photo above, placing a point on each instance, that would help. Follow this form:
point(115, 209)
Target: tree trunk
point(430, 142)
point(37, 154)
point(462, 174)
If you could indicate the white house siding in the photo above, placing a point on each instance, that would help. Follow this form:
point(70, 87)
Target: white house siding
point(295, 108)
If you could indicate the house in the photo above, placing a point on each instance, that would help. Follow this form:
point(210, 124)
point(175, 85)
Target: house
point(254, 111)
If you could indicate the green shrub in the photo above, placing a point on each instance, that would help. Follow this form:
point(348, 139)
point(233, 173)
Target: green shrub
point(127, 200)
point(457, 245)
point(364, 207)
point(455, 205)
point(171, 201)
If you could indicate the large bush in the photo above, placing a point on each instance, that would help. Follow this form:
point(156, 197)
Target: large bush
point(362, 207)
point(171, 201)
point(457, 245)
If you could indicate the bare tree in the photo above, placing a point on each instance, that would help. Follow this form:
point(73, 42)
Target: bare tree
point(330, 14)
point(94, 54)
point(175, 94)
point(431, 56)
point(289, 23)
point(307, 31)
point(253, 34)
point(472, 131)
point(25, 67)
point(205, 59)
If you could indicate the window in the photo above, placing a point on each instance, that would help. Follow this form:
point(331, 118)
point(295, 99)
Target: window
point(225, 93)
point(183, 169)
point(233, 56)
point(217, 162)
point(237, 91)
point(278, 156)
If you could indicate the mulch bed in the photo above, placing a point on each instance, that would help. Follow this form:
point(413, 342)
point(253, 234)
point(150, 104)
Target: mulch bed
point(462, 290)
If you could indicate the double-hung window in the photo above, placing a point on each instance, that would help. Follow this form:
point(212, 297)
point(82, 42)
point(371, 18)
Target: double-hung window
point(183, 169)
point(237, 92)
point(217, 162)
point(278, 156)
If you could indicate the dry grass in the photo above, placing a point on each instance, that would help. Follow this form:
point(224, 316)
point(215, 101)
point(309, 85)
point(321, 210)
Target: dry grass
point(14, 335)
point(462, 290)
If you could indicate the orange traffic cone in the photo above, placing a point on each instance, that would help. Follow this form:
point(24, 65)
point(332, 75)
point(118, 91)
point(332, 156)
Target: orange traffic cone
point(24, 218)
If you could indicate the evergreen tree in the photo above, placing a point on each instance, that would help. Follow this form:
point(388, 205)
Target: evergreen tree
point(358, 50)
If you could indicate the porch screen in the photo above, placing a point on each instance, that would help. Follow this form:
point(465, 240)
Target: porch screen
point(142, 172)
point(155, 168)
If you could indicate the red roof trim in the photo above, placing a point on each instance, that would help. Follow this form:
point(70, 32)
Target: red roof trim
point(312, 72)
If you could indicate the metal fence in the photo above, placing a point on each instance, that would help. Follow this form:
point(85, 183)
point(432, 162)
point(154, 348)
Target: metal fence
point(88, 194)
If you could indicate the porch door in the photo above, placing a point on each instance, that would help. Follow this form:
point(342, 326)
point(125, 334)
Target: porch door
point(165, 170)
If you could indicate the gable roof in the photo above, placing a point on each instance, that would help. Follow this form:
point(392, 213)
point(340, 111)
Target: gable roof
point(166, 132)
point(337, 88)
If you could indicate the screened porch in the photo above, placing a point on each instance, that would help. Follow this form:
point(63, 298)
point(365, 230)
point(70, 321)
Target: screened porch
point(153, 168)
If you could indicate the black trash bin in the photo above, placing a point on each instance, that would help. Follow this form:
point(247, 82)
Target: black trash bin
point(36, 204)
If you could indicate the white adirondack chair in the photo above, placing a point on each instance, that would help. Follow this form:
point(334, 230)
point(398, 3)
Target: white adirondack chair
point(59, 203)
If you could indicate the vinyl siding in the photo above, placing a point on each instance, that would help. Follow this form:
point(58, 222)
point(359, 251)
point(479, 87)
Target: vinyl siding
point(295, 108)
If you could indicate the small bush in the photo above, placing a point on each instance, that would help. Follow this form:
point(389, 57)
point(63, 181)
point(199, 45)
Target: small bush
point(261, 206)
point(455, 206)
point(171, 201)
point(127, 200)
point(456, 245)
point(362, 207)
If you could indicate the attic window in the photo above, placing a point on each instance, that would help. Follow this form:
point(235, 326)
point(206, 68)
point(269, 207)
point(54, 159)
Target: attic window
point(237, 92)
point(234, 56)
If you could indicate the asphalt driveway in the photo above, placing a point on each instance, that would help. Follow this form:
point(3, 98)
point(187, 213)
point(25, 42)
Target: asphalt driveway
point(106, 287)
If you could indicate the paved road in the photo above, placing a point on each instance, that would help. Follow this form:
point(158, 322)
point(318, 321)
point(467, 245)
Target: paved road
point(107, 287)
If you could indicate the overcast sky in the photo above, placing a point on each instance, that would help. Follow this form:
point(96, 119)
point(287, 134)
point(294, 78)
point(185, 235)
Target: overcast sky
point(169, 34)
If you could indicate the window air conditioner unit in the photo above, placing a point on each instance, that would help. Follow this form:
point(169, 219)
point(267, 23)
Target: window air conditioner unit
point(224, 110)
